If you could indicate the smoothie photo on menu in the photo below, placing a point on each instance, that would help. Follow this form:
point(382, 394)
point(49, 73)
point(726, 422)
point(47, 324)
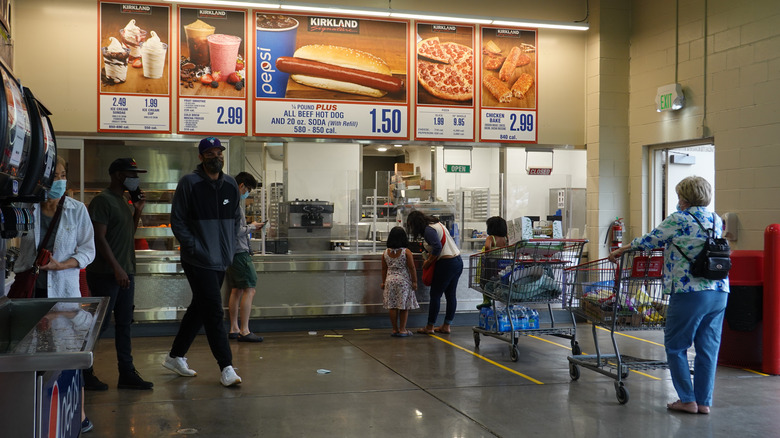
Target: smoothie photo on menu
point(198, 46)
point(223, 53)
point(133, 36)
point(153, 53)
point(115, 62)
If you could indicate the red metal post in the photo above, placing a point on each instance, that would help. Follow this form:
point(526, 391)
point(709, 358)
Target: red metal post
point(771, 341)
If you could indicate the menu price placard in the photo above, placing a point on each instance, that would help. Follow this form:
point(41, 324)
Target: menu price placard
point(134, 113)
point(331, 76)
point(212, 73)
point(212, 115)
point(305, 119)
point(134, 88)
point(445, 123)
point(508, 125)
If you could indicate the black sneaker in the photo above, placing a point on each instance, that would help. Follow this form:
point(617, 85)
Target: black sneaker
point(92, 383)
point(133, 380)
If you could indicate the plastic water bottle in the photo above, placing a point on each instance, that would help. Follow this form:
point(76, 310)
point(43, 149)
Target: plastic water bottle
point(522, 318)
point(533, 319)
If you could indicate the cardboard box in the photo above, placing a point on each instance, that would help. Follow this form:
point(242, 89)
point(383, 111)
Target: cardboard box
point(404, 167)
point(426, 184)
point(600, 316)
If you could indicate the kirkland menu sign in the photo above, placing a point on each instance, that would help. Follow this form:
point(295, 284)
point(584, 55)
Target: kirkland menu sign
point(508, 98)
point(134, 60)
point(212, 70)
point(303, 90)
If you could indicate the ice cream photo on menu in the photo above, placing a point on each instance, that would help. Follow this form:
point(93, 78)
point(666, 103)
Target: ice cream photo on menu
point(115, 61)
point(153, 53)
point(133, 52)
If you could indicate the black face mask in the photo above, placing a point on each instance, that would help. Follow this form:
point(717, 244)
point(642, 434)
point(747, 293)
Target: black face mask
point(213, 165)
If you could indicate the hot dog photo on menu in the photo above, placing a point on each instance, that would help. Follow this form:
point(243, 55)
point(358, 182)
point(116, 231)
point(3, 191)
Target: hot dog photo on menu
point(134, 49)
point(508, 68)
point(333, 58)
point(212, 52)
point(445, 64)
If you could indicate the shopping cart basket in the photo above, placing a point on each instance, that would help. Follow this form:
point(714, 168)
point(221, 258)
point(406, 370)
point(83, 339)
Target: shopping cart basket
point(529, 272)
point(622, 296)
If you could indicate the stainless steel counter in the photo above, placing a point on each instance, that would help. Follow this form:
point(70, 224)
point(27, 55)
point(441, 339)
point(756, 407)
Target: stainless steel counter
point(292, 285)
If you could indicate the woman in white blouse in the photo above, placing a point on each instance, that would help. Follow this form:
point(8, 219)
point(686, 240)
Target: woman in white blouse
point(72, 244)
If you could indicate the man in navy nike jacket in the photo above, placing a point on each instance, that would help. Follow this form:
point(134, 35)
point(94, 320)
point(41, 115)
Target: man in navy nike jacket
point(205, 214)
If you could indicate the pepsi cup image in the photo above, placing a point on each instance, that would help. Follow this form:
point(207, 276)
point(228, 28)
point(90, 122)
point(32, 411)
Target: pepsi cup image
point(275, 37)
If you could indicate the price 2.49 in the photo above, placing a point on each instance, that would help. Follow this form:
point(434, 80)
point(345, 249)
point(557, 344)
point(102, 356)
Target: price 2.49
point(232, 115)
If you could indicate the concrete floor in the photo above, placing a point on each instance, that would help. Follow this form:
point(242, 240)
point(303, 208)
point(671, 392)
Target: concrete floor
point(421, 386)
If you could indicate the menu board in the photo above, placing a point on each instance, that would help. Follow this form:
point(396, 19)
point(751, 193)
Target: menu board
point(134, 89)
point(508, 105)
point(212, 86)
point(445, 82)
point(331, 76)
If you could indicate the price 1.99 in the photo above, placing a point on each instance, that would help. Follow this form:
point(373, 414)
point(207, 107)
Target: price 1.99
point(386, 121)
point(232, 115)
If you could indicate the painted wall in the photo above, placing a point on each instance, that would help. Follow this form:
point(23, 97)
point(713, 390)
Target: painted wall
point(726, 56)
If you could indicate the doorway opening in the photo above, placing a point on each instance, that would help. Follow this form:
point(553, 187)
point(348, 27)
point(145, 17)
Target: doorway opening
point(669, 164)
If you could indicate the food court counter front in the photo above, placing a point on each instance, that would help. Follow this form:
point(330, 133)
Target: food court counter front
point(292, 285)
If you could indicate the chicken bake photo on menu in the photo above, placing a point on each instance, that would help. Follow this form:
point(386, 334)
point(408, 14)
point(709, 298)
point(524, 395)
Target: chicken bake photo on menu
point(508, 68)
point(330, 58)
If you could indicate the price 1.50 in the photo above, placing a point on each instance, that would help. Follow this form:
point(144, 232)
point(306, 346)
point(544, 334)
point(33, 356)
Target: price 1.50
point(232, 115)
point(386, 121)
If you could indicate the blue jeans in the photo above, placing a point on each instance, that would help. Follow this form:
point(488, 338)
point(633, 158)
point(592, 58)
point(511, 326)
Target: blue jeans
point(122, 303)
point(445, 282)
point(694, 318)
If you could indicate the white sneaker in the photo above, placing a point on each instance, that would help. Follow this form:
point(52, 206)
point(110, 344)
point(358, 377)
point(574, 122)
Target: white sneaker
point(179, 366)
point(229, 377)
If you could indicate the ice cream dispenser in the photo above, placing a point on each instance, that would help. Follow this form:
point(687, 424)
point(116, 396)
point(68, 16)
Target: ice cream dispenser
point(306, 224)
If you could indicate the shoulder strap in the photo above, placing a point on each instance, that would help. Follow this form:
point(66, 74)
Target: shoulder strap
point(443, 234)
point(55, 222)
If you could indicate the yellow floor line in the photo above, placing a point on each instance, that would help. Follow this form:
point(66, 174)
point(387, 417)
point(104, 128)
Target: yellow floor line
point(755, 372)
point(488, 360)
point(632, 337)
point(585, 354)
point(554, 343)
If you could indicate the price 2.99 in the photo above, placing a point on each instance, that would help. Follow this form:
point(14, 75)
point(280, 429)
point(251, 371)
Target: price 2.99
point(232, 115)
point(521, 122)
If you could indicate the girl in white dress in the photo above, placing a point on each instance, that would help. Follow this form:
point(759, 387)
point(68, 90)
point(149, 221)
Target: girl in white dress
point(399, 281)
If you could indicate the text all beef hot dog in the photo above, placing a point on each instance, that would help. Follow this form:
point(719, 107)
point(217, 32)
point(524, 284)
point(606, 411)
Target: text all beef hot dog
point(340, 69)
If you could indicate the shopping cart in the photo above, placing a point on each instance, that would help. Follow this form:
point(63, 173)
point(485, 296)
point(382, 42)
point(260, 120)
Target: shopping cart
point(529, 272)
point(619, 297)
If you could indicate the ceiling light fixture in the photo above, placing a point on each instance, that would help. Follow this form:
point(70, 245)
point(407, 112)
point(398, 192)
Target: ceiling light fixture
point(391, 13)
point(381, 149)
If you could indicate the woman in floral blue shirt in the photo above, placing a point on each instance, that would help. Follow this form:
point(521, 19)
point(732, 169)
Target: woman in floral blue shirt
point(696, 305)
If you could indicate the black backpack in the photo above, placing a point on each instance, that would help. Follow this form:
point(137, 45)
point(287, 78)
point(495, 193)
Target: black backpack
point(714, 260)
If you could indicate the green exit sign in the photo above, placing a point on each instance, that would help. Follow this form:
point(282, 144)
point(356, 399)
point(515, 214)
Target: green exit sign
point(666, 102)
point(458, 168)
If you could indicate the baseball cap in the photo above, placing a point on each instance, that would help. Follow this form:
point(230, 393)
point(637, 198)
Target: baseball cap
point(121, 164)
point(209, 143)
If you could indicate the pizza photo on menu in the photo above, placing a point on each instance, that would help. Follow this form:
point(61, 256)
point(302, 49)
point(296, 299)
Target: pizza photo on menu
point(445, 71)
point(508, 68)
